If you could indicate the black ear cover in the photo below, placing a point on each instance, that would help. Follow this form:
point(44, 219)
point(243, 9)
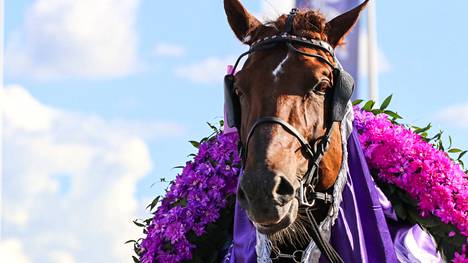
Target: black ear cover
point(231, 100)
point(343, 90)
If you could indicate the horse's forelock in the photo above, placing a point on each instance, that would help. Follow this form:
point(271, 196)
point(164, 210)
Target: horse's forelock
point(307, 23)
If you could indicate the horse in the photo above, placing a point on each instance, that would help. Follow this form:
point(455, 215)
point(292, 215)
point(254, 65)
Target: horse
point(287, 103)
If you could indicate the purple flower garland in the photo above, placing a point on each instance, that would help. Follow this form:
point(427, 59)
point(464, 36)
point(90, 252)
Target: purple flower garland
point(193, 201)
point(400, 157)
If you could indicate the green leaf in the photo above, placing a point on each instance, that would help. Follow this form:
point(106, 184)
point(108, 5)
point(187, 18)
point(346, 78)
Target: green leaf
point(214, 128)
point(369, 105)
point(386, 102)
point(422, 130)
point(440, 146)
point(148, 221)
point(135, 260)
point(178, 167)
point(153, 203)
point(392, 188)
point(437, 136)
point(195, 144)
point(404, 197)
point(181, 202)
point(376, 111)
point(392, 114)
point(130, 241)
point(462, 154)
point(138, 223)
point(357, 102)
point(400, 211)
point(430, 221)
point(454, 150)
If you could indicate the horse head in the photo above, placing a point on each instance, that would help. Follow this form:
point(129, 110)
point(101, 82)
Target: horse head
point(279, 82)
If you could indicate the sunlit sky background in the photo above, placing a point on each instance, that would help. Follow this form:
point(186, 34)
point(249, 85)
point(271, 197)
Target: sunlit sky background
point(101, 98)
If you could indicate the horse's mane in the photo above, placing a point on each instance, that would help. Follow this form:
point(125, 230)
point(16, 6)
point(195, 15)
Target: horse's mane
point(307, 23)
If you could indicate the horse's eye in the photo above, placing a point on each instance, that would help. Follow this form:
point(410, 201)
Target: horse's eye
point(321, 87)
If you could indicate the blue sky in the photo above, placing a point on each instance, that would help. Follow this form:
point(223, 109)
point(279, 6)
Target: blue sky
point(103, 97)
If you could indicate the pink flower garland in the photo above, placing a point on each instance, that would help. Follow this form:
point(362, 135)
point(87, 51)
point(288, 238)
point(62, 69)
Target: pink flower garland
point(404, 159)
point(461, 257)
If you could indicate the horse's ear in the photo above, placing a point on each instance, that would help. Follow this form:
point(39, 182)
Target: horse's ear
point(340, 26)
point(240, 20)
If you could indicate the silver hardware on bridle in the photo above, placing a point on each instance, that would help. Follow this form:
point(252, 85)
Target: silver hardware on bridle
point(296, 256)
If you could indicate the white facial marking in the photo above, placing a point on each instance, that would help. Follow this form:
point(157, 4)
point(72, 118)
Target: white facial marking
point(279, 68)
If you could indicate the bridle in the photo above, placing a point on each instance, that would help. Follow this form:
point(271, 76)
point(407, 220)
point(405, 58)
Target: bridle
point(313, 153)
point(342, 90)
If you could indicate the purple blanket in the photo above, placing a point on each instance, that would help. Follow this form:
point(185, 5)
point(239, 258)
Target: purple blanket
point(361, 232)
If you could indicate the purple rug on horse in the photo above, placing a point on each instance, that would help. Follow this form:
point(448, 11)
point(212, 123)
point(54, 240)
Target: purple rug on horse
point(364, 230)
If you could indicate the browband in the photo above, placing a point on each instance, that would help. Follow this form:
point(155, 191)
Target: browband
point(268, 42)
point(286, 37)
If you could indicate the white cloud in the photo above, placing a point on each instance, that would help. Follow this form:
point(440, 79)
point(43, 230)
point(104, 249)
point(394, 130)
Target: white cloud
point(456, 115)
point(148, 130)
point(88, 220)
point(60, 257)
point(20, 117)
point(11, 250)
point(75, 38)
point(210, 70)
point(168, 50)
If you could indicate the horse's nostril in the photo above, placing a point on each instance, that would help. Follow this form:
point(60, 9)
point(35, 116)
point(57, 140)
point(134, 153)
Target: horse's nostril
point(284, 190)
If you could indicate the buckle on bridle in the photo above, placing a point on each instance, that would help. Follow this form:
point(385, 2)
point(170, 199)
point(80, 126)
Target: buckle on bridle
point(296, 256)
point(303, 195)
